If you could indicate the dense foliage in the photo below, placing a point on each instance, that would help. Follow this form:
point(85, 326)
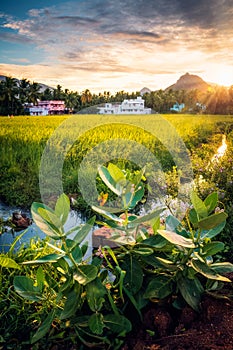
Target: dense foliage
point(14, 94)
point(58, 294)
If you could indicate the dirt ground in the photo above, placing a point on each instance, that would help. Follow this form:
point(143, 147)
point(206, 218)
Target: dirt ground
point(165, 329)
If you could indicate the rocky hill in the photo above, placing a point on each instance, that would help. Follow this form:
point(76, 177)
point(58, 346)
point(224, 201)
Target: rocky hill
point(189, 82)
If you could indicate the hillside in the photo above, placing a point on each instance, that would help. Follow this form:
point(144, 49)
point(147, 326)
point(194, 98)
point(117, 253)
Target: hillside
point(189, 82)
point(43, 87)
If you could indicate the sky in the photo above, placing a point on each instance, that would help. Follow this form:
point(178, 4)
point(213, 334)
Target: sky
point(114, 45)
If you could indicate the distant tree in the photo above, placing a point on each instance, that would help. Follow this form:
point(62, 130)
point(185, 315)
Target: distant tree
point(34, 93)
point(47, 95)
point(9, 97)
point(86, 97)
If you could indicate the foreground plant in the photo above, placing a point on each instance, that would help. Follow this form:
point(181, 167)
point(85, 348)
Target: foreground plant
point(96, 298)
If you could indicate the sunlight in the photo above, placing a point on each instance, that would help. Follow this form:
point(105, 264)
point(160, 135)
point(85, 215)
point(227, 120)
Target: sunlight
point(222, 76)
point(221, 150)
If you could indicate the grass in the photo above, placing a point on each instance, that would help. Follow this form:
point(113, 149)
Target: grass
point(24, 138)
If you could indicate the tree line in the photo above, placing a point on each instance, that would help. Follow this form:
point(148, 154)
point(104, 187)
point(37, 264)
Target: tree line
point(14, 94)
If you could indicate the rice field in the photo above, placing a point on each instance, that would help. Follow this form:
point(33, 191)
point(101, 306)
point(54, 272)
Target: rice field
point(23, 140)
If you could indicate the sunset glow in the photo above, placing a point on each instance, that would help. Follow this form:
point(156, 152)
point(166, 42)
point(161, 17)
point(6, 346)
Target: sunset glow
point(112, 46)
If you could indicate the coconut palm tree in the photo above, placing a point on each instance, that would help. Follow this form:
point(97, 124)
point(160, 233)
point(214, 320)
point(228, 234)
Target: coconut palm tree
point(9, 91)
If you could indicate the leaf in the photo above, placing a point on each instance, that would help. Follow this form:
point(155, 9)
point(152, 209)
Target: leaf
point(41, 216)
point(8, 263)
point(207, 271)
point(199, 206)
point(214, 231)
point(212, 221)
point(96, 323)
point(155, 241)
point(84, 230)
point(117, 323)
point(223, 267)
point(44, 328)
point(191, 290)
point(172, 223)
point(115, 172)
point(134, 274)
point(95, 294)
point(108, 180)
point(159, 287)
point(25, 288)
point(50, 258)
point(85, 274)
point(40, 278)
point(107, 214)
point(140, 250)
point(212, 248)
point(211, 201)
point(73, 301)
point(193, 217)
point(177, 239)
point(148, 217)
point(62, 208)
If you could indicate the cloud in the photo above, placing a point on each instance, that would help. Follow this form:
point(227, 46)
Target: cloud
point(94, 38)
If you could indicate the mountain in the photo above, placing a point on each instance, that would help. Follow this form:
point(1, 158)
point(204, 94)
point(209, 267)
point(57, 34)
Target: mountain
point(43, 87)
point(189, 82)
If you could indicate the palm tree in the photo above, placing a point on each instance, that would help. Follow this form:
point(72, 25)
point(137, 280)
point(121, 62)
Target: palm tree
point(9, 96)
point(86, 97)
point(34, 93)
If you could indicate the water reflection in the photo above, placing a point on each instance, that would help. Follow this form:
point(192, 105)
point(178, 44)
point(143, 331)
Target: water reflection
point(221, 150)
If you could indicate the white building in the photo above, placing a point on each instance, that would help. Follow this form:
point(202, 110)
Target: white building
point(132, 106)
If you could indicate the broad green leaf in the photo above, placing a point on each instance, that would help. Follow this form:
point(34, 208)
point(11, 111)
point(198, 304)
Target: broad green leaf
point(212, 248)
point(155, 241)
point(84, 230)
point(77, 254)
point(115, 172)
point(62, 208)
point(214, 231)
point(211, 202)
point(96, 323)
point(148, 217)
point(193, 217)
point(117, 323)
point(95, 294)
point(191, 290)
point(159, 287)
point(50, 258)
point(40, 216)
point(176, 239)
point(212, 221)
point(25, 288)
point(44, 328)
point(223, 267)
point(107, 214)
point(73, 301)
point(108, 180)
point(85, 274)
point(134, 274)
point(207, 271)
point(199, 206)
point(133, 199)
point(51, 218)
point(7, 262)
